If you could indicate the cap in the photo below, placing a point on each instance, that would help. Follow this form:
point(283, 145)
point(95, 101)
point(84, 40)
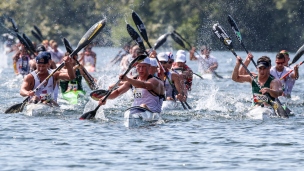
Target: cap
point(181, 52)
point(284, 52)
point(43, 58)
point(180, 58)
point(170, 55)
point(263, 63)
point(40, 48)
point(162, 56)
point(153, 62)
point(145, 61)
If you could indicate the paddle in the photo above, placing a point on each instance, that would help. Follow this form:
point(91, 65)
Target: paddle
point(36, 36)
point(91, 114)
point(89, 79)
point(24, 42)
point(142, 30)
point(225, 39)
point(97, 94)
point(85, 40)
point(38, 31)
point(29, 42)
point(298, 54)
point(13, 24)
point(238, 35)
point(179, 40)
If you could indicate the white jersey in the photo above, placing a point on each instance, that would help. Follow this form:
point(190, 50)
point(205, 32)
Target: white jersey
point(143, 96)
point(23, 64)
point(56, 56)
point(205, 63)
point(168, 87)
point(45, 92)
point(287, 83)
point(88, 60)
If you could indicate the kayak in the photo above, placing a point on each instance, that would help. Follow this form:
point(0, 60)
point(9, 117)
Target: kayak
point(40, 109)
point(137, 116)
point(260, 113)
point(170, 105)
point(72, 96)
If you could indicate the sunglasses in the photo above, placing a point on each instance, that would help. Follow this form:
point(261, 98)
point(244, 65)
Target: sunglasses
point(163, 62)
point(170, 62)
point(280, 63)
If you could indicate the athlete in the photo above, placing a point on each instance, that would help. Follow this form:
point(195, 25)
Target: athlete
point(185, 72)
point(45, 94)
point(207, 63)
point(56, 53)
point(88, 58)
point(21, 61)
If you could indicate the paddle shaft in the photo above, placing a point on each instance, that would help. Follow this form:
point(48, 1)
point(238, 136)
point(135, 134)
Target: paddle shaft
point(284, 76)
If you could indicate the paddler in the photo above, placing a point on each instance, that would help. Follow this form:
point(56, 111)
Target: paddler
point(268, 83)
point(88, 58)
point(148, 91)
point(46, 93)
point(21, 61)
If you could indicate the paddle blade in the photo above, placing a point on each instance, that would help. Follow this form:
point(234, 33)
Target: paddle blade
point(36, 36)
point(97, 94)
point(38, 31)
point(178, 40)
point(88, 115)
point(14, 109)
point(235, 28)
point(67, 45)
point(89, 36)
point(135, 36)
point(222, 35)
point(178, 35)
point(14, 24)
point(141, 27)
point(29, 42)
point(298, 55)
point(161, 40)
point(24, 42)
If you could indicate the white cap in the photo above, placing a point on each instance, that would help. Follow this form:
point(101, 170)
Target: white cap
point(153, 62)
point(146, 61)
point(180, 58)
point(181, 52)
point(162, 56)
point(170, 55)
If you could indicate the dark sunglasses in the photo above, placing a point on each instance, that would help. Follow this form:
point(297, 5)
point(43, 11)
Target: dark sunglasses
point(280, 63)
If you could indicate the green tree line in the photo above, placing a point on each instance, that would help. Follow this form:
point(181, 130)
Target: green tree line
point(265, 25)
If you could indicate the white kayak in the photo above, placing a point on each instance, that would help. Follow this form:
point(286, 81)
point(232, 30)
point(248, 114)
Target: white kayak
point(40, 109)
point(261, 113)
point(137, 116)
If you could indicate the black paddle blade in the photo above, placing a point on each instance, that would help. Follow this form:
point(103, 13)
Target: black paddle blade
point(97, 94)
point(135, 36)
point(15, 28)
point(88, 115)
point(235, 28)
point(178, 40)
point(89, 36)
point(298, 55)
point(16, 108)
point(67, 45)
point(161, 40)
point(36, 36)
point(222, 35)
point(29, 42)
point(141, 27)
point(38, 31)
point(24, 42)
point(178, 35)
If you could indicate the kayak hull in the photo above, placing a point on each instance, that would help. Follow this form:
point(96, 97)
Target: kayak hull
point(138, 116)
point(40, 109)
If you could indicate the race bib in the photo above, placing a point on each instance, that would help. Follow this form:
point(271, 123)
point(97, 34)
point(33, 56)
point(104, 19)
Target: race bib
point(259, 98)
point(137, 93)
point(72, 86)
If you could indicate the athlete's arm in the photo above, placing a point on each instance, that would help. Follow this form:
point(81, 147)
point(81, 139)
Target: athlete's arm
point(275, 89)
point(236, 75)
point(27, 86)
point(70, 74)
point(242, 70)
point(121, 90)
point(192, 56)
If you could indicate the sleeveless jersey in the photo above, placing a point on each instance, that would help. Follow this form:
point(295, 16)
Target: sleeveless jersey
point(74, 84)
point(23, 64)
point(88, 60)
point(258, 97)
point(169, 90)
point(143, 96)
point(287, 83)
point(45, 92)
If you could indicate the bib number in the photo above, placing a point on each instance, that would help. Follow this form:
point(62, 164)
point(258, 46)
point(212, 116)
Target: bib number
point(137, 94)
point(259, 98)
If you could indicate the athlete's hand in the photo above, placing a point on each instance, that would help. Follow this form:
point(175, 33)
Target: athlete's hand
point(250, 56)
point(100, 102)
point(181, 97)
point(31, 93)
point(153, 54)
point(123, 78)
point(238, 60)
point(265, 90)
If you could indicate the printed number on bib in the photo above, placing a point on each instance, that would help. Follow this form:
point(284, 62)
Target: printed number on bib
point(259, 98)
point(137, 93)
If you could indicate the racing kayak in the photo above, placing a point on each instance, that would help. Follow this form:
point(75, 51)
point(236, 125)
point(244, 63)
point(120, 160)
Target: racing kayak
point(139, 116)
point(261, 113)
point(72, 96)
point(40, 109)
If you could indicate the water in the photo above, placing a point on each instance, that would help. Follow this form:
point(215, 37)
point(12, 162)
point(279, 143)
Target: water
point(215, 135)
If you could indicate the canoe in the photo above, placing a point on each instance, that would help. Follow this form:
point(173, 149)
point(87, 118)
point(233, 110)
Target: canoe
point(72, 96)
point(137, 116)
point(40, 109)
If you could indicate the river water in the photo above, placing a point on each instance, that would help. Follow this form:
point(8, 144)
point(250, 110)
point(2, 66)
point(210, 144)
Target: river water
point(214, 135)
